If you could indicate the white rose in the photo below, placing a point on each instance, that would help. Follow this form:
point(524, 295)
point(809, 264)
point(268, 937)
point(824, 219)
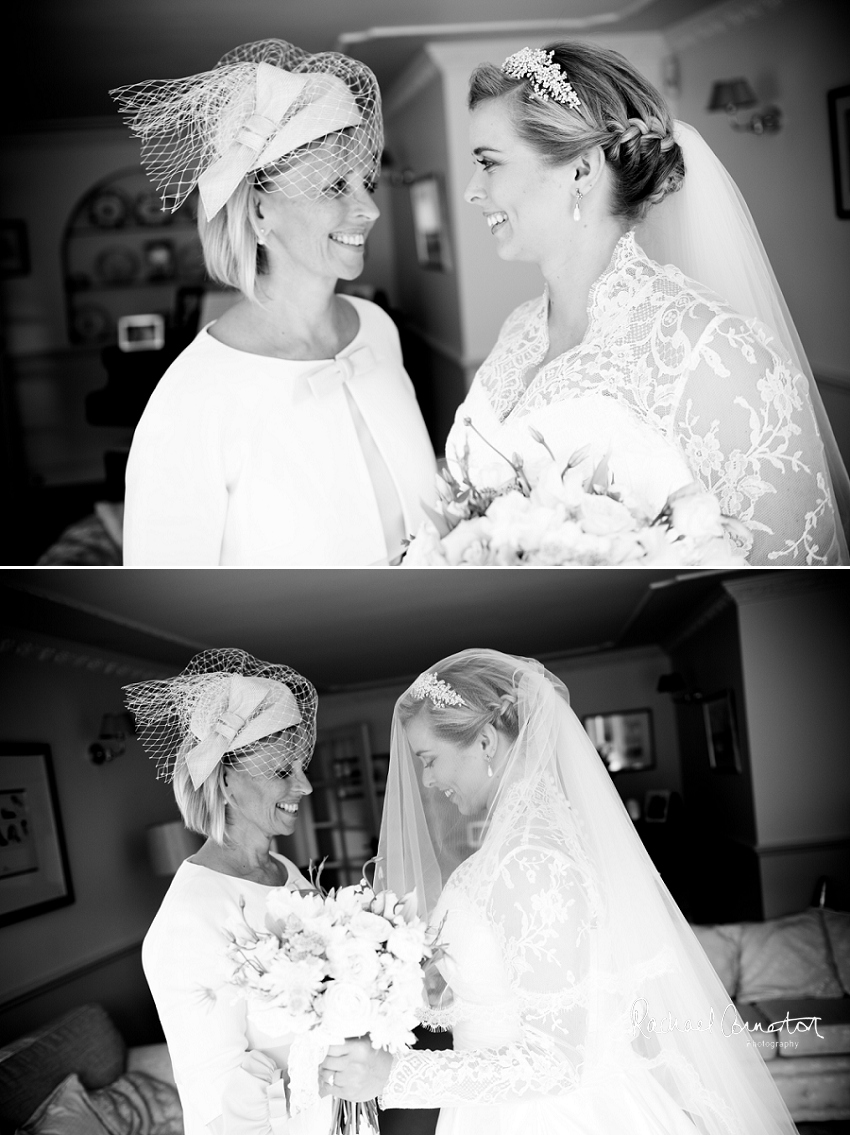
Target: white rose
point(696, 513)
point(603, 516)
point(370, 926)
point(356, 959)
point(425, 549)
point(346, 1009)
point(407, 943)
point(461, 538)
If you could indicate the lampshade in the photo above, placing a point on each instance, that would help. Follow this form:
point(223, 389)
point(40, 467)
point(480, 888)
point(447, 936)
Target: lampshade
point(169, 844)
point(732, 93)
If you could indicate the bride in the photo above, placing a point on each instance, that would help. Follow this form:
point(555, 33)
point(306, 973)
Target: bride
point(579, 1001)
point(677, 380)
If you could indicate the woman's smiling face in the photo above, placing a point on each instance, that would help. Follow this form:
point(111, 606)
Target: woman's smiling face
point(526, 201)
point(269, 805)
point(322, 231)
point(459, 772)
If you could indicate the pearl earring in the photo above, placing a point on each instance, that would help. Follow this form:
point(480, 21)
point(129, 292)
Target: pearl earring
point(577, 210)
point(489, 761)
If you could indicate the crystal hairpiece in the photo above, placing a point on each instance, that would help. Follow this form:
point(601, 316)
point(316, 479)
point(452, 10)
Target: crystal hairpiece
point(546, 77)
point(428, 685)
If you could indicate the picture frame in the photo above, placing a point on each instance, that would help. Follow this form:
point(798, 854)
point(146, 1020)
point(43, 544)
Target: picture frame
point(721, 732)
point(34, 873)
point(624, 740)
point(430, 227)
point(838, 101)
point(14, 249)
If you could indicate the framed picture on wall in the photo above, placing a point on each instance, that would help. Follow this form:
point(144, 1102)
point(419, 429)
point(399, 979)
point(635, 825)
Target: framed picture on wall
point(721, 732)
point(838, 101)
point(429, 223)
point(34, 875)
point(623, 740)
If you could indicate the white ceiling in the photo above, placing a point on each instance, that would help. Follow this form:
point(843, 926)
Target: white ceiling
point(346, 627)
point(69, 53)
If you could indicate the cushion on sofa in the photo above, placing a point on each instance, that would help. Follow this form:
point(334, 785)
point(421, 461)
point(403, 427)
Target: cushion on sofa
point(66, 1111)
point(83, 1040)
point(152, 1059)
point(722, 944)
point(837, 923)
point(829, 1035)
point(786, 957)
point(134, 1104)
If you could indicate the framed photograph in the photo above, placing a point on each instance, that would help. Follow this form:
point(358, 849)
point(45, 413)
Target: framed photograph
point(623, 740)
point(14, 249)
point(34, 875)
point(839, 132)
point(721, 732)
point(429, 223)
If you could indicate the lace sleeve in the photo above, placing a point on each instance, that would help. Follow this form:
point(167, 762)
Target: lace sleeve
point(746, 425)
point(538, 910)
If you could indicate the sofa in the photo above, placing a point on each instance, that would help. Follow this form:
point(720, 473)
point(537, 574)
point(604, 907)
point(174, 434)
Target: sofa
point(76, 1076)
point(784, 973)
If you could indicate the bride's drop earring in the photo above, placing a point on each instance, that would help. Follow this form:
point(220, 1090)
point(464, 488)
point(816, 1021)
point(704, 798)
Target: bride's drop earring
point(489, 761)
point(577, 210)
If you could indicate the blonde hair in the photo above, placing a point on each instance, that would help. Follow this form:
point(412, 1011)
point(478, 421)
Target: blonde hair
point(620, 111)
point(232, 254)
point(489, 694)
point(204, 809)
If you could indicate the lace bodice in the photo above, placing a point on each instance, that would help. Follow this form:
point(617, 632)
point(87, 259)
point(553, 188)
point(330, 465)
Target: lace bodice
point(517, 924)
point(679, 388)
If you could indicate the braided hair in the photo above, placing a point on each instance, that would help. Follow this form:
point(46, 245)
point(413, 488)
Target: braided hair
point(620, 111)
point(489, 695)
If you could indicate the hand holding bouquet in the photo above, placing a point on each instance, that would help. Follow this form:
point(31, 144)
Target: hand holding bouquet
point(327, 966)
point(561, 514)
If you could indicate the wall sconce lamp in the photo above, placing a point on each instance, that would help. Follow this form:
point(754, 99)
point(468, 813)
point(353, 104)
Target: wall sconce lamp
point(169, 844)
point(111, 740)
point(675, 685)
point(733, 95)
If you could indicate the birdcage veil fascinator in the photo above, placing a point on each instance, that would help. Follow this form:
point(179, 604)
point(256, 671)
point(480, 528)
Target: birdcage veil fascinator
point(225, 706)
point(268, 106)
point(604, 976)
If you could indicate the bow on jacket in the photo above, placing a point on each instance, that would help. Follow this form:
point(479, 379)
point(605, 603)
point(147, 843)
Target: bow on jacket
point(227, 719)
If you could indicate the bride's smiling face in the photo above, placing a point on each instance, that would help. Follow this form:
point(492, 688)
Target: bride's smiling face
point(457, 771)
point(526, 202)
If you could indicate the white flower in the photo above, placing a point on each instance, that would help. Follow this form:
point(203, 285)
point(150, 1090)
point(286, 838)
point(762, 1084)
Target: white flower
point(552, 489)
point(370, 926)
point(407, 943)
point(425, 549)
point(695, 512)
point(603, 516)
point(356, 959)
point(457, 543)
point(346, 1009)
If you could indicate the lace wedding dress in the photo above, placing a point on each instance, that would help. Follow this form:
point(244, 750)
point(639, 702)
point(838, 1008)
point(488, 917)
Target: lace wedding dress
point(561, 943)
point(675, 387)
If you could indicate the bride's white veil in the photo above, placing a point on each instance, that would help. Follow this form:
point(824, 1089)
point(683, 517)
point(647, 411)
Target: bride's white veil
point(707, 231)
point(645, 962)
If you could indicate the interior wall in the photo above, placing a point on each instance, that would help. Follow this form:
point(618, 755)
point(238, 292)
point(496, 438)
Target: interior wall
point(792, 54)
point(796, 669)
point(104, 811)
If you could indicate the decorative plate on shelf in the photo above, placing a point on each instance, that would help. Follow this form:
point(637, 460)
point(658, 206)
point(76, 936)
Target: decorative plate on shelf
point(148, 210)
point(108, 209)
point(91, 324)
point(117, 265)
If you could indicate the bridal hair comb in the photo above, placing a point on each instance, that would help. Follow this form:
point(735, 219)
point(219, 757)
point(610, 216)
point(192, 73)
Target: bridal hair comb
point(546, 78)
point(440, 693)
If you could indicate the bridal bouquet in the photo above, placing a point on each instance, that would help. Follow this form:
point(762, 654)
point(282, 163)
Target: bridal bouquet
point(331, 965)
point(559, 514)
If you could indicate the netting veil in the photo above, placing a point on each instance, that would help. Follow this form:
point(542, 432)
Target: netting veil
point(268, 110)
point(225, 706)
point(593, 946)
